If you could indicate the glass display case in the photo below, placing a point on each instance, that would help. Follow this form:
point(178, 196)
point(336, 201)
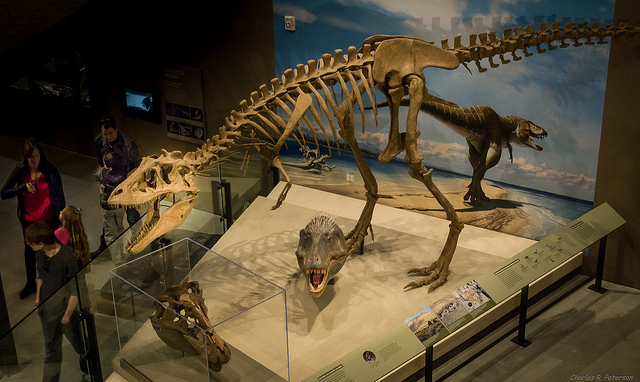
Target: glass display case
point(243, 310)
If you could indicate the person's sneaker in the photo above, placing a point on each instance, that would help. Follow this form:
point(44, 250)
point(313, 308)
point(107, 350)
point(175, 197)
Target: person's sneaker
point(28, 289)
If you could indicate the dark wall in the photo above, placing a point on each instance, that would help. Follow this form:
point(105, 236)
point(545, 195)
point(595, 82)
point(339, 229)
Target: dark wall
point(618, 177)
point(124, 43)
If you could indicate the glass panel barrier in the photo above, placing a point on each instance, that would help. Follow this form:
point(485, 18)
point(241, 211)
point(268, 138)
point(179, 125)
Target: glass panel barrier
point(44, 346)
point(22, 349)
point(217, 321)
point(248, 182)
point(200, 226)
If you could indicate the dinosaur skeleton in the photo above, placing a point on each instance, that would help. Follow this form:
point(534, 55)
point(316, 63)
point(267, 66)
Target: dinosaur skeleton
point(393, 64)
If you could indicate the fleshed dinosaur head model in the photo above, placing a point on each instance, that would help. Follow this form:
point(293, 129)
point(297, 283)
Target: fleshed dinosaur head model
point(169, 174)
point(525, 130)
point(321, 253)
point(185, 333)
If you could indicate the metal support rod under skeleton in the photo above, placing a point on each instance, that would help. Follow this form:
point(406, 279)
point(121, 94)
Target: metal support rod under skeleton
point(227, 216)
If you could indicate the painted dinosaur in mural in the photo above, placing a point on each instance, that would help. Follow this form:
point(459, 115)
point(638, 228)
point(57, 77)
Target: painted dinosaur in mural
point(391, 64)
point(486, 133)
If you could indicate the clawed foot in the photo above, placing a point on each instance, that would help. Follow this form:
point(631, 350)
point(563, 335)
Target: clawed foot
point(434, 278)
point(282, 196)
point(476, 198)
point(355, 239)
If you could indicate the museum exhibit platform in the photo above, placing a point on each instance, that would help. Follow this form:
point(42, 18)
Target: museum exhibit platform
point(365, 302)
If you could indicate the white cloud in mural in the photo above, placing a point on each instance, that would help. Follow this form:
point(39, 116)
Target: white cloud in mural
point(520, 168)
point(419, 9)
point(443, 150)
point(346, 24)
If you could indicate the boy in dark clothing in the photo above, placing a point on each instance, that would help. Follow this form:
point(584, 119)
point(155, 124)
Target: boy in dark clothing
point(57, 298)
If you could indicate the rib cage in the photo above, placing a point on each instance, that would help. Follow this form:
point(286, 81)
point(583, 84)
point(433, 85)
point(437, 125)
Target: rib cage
point(258, 123)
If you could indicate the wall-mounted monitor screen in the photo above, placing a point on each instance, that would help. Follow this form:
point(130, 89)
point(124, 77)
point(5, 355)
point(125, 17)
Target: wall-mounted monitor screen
point(141, 103)
point(139, 100)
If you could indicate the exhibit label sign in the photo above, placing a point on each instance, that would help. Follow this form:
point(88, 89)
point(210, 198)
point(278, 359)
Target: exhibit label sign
point(184, 104)
point(373, 360)
point(540, 258)
point(462, 306)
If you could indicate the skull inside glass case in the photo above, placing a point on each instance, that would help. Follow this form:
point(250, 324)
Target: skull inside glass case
point(186, 313)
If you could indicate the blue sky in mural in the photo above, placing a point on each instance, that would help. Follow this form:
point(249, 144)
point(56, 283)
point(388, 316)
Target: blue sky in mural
point(560, 90)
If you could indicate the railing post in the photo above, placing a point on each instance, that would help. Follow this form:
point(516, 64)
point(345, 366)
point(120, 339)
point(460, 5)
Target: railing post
point(522, 322)
point(597, 287)
point(428, 365)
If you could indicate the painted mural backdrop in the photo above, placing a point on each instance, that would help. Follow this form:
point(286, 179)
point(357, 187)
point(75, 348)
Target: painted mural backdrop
point(561, 91)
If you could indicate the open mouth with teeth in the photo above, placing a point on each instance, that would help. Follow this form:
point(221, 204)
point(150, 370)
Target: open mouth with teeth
point(152, 218)
point(316, 280)
point(157, 224)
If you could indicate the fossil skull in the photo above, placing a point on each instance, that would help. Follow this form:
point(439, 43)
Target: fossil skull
point(185, 331)
point(321, 253)
point(155, 178)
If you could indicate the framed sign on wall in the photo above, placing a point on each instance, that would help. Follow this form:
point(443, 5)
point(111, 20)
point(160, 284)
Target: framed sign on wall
point(184, 104)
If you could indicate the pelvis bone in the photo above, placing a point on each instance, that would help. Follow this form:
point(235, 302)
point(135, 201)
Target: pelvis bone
point(189, 333)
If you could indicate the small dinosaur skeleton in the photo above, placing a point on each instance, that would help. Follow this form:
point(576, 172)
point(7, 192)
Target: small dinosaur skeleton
point(392, 64)
point(314, 161)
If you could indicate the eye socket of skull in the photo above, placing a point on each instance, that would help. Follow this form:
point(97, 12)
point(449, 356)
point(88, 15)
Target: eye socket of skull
point(150, 177)
point(164, 173)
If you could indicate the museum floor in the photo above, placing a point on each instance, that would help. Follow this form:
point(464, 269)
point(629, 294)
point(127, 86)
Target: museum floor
point(586, 334)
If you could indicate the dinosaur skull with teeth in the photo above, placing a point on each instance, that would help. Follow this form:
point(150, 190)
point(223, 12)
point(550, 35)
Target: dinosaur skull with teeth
point(185, 331)
point(155, 178)
point(321, 253)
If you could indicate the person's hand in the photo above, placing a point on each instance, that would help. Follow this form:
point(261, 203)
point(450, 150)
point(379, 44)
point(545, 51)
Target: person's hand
point(65, 320)
point(31, 187)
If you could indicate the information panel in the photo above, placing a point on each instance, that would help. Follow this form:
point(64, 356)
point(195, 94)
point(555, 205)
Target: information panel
point(374, 359)
point(456, 309)
point(533, 262)
point(184, 104)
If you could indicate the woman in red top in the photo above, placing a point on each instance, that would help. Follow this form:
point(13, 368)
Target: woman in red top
point(38, 186)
